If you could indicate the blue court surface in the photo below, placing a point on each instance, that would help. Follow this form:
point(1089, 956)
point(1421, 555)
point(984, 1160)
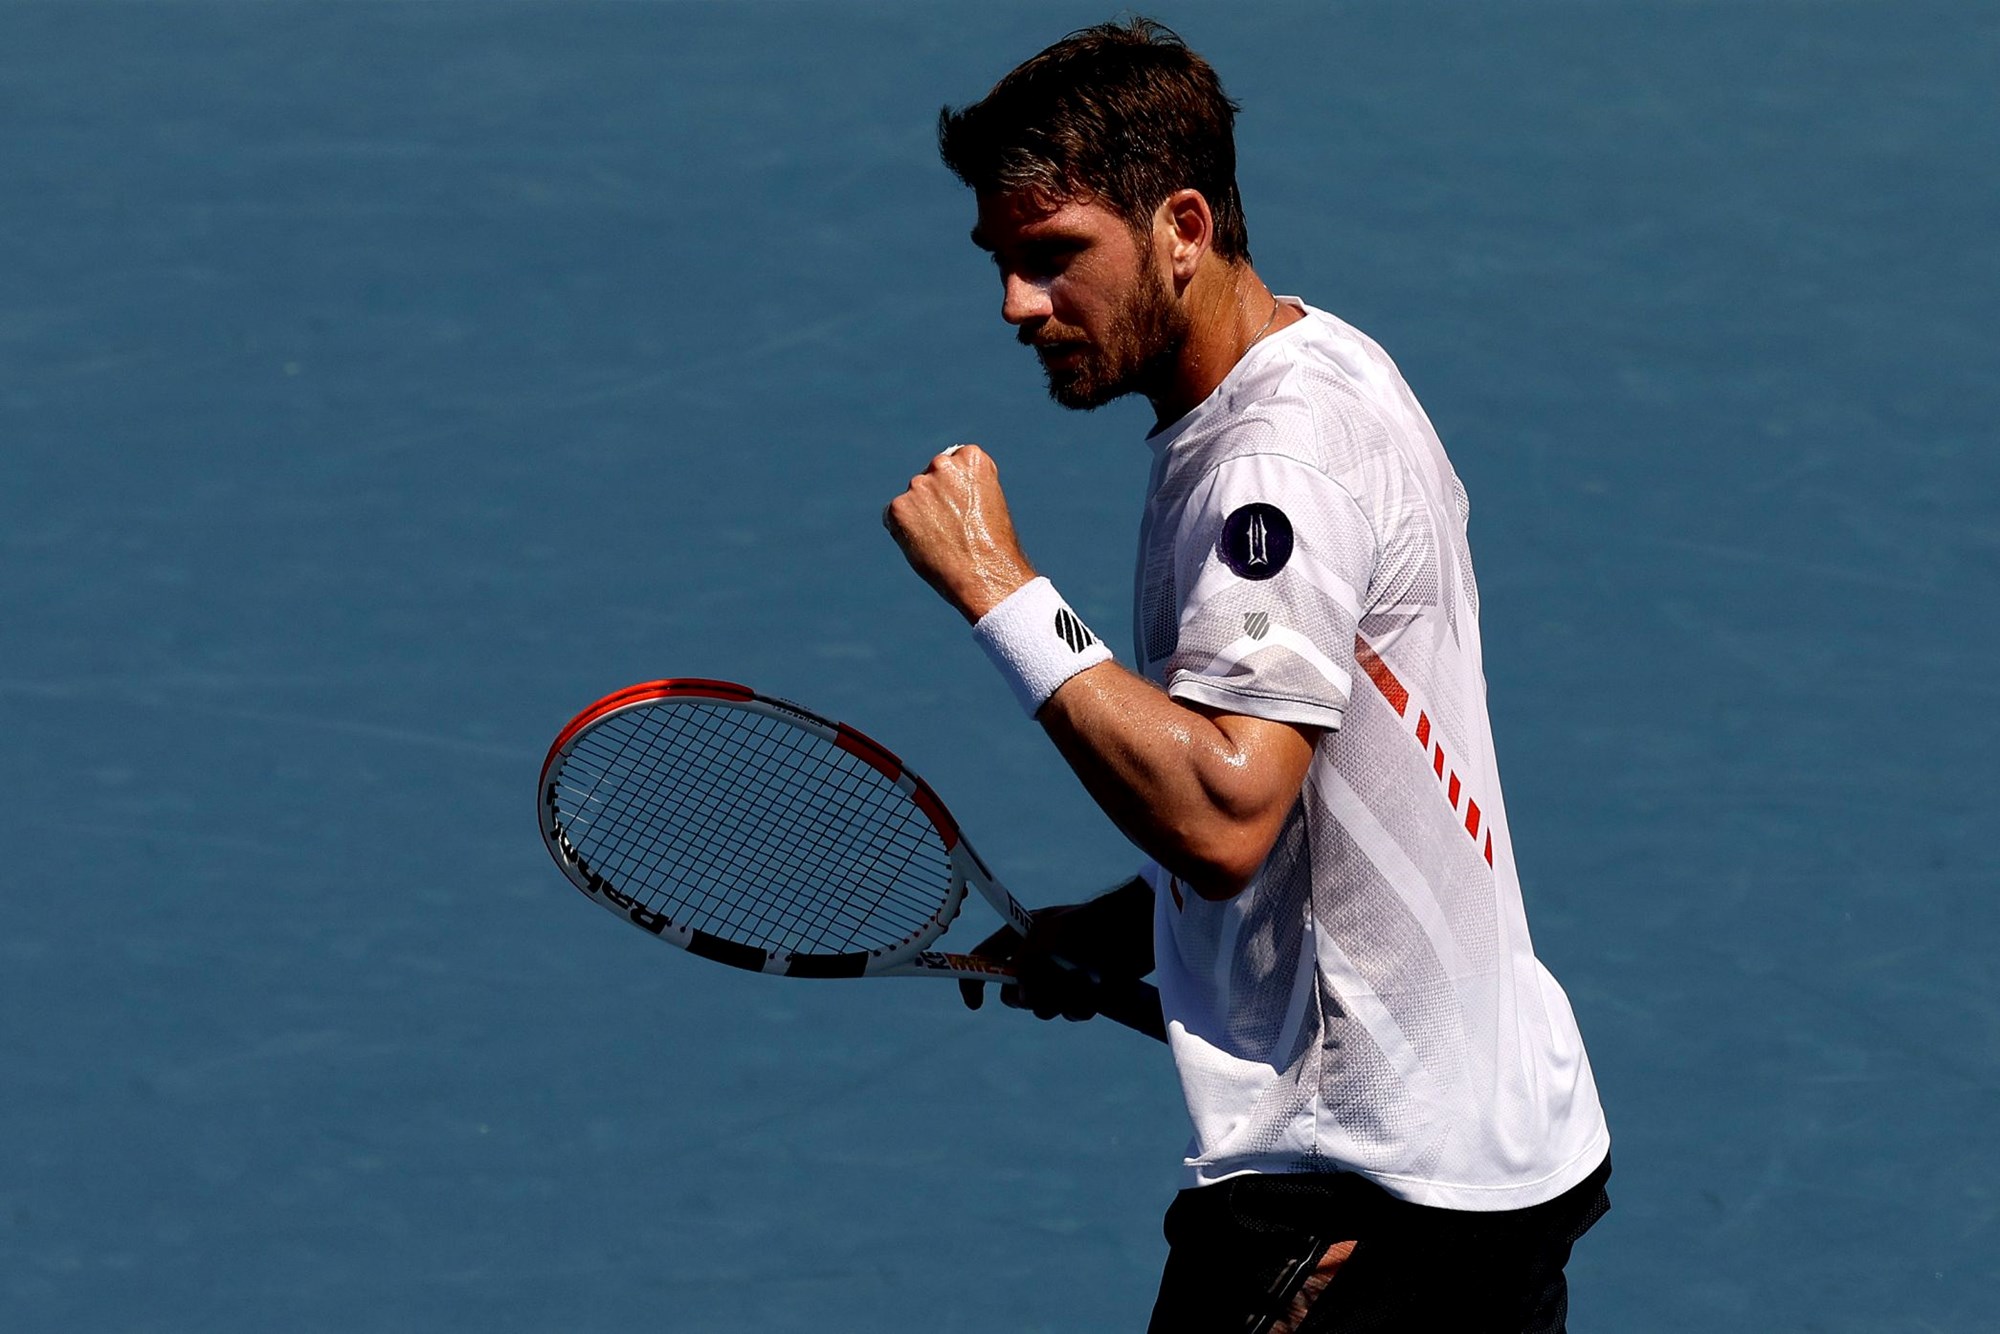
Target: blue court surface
point(381, 383)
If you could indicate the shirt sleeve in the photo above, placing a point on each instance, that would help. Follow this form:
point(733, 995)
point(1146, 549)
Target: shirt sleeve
point(1274, 557)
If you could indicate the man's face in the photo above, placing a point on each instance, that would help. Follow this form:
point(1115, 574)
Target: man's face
point(1086, 292)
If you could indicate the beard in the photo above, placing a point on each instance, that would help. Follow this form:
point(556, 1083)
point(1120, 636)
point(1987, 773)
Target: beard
point(1137, 351)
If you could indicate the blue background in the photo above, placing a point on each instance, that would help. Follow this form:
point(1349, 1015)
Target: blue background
point(380, 383)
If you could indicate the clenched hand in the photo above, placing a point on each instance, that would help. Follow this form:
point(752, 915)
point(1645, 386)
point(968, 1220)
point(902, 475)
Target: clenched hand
point(953, 526)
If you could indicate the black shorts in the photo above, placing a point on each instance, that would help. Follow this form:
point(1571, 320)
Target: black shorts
point(1247, 1254)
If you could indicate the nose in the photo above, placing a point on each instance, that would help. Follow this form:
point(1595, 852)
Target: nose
point(1022, 300)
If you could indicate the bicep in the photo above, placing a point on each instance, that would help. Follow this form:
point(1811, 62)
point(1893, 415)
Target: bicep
point(1269, 759)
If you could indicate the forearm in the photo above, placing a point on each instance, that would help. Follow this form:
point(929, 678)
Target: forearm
point(1203, 794)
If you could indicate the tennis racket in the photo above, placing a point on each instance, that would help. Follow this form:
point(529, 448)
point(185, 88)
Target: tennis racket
point(753, 832)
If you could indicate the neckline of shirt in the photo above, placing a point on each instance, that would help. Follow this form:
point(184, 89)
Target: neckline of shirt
point(1164, 436)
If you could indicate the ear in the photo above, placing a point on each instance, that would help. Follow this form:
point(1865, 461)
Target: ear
point(1186, 228)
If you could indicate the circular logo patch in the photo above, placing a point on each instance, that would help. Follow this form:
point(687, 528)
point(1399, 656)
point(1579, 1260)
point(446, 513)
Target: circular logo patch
point(1256, 541)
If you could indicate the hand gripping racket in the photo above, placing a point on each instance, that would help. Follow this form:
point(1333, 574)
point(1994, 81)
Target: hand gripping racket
point(748, 830)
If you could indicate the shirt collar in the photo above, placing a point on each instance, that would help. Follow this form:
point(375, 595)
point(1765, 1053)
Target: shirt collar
point(1159, 439)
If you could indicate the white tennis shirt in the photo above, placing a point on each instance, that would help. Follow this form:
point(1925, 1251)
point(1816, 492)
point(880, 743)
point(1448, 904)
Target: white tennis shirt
point(1371, 1002)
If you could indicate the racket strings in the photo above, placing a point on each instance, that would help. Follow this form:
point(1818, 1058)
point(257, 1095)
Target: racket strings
point(838, 792)
point(756, 860)
point(828, 805)
point(862, 793)
point(681, 813)
point(795, 838)
point(747, 827)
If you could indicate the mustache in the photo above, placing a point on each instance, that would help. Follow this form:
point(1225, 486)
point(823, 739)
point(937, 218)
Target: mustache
point(1036, 339)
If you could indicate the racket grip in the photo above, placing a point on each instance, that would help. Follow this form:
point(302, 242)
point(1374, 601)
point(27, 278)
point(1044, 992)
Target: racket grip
point(1133, 1003)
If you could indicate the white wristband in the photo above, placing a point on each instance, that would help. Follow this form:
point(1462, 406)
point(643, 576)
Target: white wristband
point(1037, 642)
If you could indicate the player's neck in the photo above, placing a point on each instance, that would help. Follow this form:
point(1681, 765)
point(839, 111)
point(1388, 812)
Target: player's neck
point(1230, 311)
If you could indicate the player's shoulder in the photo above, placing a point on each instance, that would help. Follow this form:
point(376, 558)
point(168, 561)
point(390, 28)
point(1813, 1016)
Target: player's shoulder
point(1318, 391)
point(1307, 398)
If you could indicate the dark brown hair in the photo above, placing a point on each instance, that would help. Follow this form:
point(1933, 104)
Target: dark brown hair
point(1122, 113)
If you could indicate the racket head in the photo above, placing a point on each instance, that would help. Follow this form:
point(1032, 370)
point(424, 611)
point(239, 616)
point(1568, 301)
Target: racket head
point(752, 831)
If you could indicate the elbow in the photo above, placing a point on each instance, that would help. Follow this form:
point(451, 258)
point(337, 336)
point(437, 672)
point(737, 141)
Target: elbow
point(1220, 868)
point(1219, 856)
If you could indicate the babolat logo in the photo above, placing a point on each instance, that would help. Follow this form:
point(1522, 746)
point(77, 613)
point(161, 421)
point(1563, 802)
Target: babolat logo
point(1257, 624)
point(1256, 541)
point(1073, 632)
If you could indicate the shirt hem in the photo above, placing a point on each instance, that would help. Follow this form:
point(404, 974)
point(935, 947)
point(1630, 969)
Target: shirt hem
point(1299, 712)
point(1461, 1196)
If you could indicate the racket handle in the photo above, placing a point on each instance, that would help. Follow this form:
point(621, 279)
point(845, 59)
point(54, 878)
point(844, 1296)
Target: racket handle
point(1133, 1003)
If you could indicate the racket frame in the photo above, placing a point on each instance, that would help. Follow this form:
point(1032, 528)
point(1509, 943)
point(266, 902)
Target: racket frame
point(907, 957)
point(1128, 1001)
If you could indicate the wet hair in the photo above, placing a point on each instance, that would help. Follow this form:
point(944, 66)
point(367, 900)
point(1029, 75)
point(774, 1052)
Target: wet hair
point(1121, 114)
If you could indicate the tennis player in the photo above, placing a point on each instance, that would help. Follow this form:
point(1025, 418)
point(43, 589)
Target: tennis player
point(1395, 1124)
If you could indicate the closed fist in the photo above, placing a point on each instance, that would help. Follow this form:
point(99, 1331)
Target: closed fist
point(953, 526)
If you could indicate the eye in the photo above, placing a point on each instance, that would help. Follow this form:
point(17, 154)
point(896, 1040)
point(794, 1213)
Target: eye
point(1039, 260)
point(1048, 259)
